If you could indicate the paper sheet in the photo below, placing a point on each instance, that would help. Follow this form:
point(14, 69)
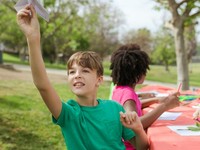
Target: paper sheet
point(196, 106)
point(169, 116)
point(38, 7)
point(184, 131)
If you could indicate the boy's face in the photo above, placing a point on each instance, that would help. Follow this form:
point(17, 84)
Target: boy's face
point(83, 81)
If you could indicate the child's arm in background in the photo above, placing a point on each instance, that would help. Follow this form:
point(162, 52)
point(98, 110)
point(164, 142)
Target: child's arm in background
point(132, 121)
point(28, 22)
point(165, 104)
point(149, 101)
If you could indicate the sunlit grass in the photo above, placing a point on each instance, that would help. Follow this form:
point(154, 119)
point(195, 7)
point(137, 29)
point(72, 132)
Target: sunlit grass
point(25, 122)
point(156, 73)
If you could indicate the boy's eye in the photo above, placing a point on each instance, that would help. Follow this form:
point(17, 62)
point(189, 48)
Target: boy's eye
point(71, 72)
point(86, 70)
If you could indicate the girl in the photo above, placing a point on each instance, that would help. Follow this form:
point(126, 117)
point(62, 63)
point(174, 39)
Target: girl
point(129, 66)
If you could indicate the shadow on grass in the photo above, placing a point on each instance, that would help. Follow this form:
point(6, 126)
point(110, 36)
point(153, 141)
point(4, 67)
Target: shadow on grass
point(9, 102)
point(16, 138)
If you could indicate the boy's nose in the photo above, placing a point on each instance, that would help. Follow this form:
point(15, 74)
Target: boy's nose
point(78, 74)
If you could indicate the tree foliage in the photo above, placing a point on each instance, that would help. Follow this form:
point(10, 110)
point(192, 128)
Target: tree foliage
point(74, 25)
point(141, 37)
point(163, 53)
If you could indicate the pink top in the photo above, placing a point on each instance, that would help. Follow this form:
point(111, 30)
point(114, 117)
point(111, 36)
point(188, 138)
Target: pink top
point(123, 93)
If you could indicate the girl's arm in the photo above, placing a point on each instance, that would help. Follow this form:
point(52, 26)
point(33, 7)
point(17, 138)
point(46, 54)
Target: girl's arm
point(149, 101)
point(147, 119)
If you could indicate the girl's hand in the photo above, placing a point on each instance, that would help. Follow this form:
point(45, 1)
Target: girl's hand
point(171, 101)
point(131, 120)
point(27, 21)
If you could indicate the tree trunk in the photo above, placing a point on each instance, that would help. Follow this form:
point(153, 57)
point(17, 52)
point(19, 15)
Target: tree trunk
point(166, 66)
point(181, 58)
point(1, 57)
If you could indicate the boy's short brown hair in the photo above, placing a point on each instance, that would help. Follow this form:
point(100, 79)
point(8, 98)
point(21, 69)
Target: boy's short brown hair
point(87, 59)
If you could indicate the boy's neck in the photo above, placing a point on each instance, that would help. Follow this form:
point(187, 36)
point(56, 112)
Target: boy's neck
point(87, 101)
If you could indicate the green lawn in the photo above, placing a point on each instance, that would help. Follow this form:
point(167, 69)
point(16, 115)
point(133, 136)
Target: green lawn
point(25, 122)
point(156, 73)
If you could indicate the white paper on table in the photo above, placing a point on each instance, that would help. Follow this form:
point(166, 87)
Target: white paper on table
point(184, 131)
point(196, 106)
point(169, 116)
point(162, 95)
point(38, 7)
point(157, 94)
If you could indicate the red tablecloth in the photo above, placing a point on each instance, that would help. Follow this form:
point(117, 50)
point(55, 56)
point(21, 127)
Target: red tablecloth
point(163, 138)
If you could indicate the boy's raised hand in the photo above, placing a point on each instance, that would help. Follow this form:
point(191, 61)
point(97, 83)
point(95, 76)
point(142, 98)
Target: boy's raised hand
point(131, 120)
point(27, 21)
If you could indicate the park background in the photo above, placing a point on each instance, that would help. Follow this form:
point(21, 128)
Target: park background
point(99, 25)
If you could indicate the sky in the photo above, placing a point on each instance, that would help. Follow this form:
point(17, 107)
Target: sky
point(141, 14)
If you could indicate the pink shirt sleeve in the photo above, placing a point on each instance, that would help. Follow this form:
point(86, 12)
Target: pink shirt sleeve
point(123, 93)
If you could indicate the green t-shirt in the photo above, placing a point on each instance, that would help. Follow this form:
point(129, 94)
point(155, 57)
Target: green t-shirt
point(93, 128)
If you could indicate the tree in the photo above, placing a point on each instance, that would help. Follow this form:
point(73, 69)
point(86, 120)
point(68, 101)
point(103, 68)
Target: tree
point(163, 52)
point(104, 35)
point(10, 36)
point(190, 41)
point(141, 37)
point(73, 26)
point(182, 12)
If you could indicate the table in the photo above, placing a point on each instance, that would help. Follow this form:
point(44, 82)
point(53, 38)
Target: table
point(163, 138)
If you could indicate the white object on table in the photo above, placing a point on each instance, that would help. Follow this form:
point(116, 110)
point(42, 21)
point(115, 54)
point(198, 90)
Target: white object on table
point(169, 116)
point(184, 131)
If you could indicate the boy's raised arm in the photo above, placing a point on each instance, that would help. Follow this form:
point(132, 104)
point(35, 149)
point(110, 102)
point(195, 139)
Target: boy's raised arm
point(28, 22)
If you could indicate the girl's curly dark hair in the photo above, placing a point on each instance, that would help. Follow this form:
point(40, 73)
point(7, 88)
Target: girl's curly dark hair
point(129, 64)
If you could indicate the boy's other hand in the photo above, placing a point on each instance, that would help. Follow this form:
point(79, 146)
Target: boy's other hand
point(131, 120)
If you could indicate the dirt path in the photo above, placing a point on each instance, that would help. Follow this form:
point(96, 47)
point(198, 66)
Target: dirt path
point(7, 72)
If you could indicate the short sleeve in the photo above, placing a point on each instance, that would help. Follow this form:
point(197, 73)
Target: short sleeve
point(69, 111)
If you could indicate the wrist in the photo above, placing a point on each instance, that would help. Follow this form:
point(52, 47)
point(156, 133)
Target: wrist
point(138, 129)
point(163, 106)
point(33, 37)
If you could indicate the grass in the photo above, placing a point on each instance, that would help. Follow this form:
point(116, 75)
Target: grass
point(11, 58)
point(157, 73)
point(25, 122)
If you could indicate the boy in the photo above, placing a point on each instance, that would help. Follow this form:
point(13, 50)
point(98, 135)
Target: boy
point(87, 123)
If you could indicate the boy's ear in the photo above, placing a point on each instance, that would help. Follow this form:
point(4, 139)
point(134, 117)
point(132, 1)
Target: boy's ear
point(100, 80)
